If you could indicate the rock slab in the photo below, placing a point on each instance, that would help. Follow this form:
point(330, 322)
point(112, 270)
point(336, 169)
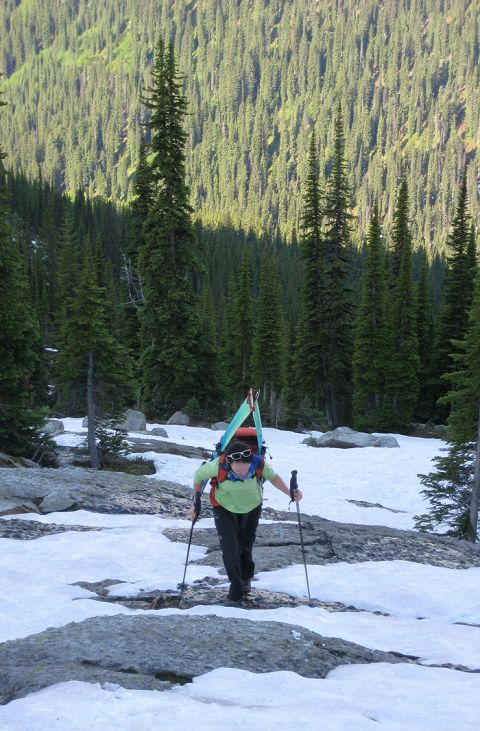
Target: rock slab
point(151, 652)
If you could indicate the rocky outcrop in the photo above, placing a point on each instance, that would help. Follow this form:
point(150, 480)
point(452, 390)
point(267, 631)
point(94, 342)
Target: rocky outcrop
point(153, 445)
point(152, 652)
point(345, 438)
point(53, 426)
point(51, 490)
point(278, 545)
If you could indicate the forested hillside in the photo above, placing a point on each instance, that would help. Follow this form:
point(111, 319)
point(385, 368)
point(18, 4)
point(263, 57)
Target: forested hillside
point(259, 77)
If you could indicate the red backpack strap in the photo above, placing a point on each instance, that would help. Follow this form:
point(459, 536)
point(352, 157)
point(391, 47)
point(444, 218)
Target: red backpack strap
point(220, 477)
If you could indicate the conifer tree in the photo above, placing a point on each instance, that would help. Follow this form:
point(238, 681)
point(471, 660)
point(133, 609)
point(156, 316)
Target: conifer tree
point(310, 368)
point(94, 368)
point(401, 235)
point(458, 290)
point(453, 490)
point(208, 355)
point(241, 328)
point(338, 315)
point(268, 350)
point(19, 342)
point(371, 336)
point(402, 361)
point(168, 255)
point(425, 336)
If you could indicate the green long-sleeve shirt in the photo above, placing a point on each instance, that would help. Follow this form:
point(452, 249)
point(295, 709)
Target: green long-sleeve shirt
point(240, 496)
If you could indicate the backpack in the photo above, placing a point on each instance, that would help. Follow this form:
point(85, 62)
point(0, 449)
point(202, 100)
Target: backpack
point(248, 435)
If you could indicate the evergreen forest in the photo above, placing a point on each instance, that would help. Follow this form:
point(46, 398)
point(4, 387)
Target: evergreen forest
point(258, 78)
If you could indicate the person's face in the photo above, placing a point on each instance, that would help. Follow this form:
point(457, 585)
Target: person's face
point(239, 469)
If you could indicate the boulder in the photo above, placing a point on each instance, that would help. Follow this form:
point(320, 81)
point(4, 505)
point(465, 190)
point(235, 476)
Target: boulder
point(220, 426)
point(179, 419)
point(135, 420)
point(85, 422)
point(53, 426)
point(157, 431)
point(7, 461)
point(345, 438)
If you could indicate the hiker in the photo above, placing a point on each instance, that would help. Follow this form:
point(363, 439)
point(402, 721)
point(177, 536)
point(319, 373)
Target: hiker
point(237, 504)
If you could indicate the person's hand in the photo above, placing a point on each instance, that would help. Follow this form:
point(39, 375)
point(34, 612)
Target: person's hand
point(297, 495)
point(194, 511)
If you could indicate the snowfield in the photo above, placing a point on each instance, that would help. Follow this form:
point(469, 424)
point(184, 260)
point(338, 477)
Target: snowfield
point(430, 609)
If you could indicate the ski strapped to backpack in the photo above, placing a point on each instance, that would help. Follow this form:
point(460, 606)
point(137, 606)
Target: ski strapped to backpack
point(253, 436)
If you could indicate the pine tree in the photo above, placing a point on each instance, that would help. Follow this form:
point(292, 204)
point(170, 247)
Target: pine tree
point(268, 350)
point(94, 368)
point(402, 361)
point(338, 315)
point(371, 336)
point(310, 367)
point(241, 328)
point(168, 255)
point(453, 490)
point(19, 342)
point(458, 291)
point(425, 406)
point(401, 236)
point(208, 355)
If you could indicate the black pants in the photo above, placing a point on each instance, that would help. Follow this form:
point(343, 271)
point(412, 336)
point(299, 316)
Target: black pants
point(236, 533)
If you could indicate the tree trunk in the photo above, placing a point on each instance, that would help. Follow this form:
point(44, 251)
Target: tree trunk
point(474, 504)
point(92, 445)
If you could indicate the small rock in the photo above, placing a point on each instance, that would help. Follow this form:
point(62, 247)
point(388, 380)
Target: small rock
point(157, 431)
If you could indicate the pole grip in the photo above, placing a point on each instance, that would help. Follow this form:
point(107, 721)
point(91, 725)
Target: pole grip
point(293, 485)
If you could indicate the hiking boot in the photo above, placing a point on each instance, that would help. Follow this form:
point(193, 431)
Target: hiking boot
point(247, 586)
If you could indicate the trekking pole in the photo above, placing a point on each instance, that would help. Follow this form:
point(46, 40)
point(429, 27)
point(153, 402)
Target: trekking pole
point(182, 586)
point(293, 490)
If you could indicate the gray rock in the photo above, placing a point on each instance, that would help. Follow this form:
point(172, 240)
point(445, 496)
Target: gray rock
point(29, 530)
point(53, 426)
point(179, 419)
point(346, 438)
point(278, 544)
point(220, 426)
point(56, 501)
point(15, 462)
point(16, 506)
point(140, 444)
point(157, 431)
point(85, 421)
point(102, 491)
point(135, 420)
point(147, 652)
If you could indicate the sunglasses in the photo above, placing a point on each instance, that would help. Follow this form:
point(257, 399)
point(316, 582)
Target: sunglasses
point(240, 456)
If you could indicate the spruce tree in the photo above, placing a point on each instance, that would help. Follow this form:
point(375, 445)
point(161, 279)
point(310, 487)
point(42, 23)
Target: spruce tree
point(310, 369)
point(453, 490)
point(338, 314)
point(268, 350)
point(241, 328)
point(371, 336)
point(402, 361)
point(19, 342)
point(457, 295)
point(401, 235)
point(168, 257)
point(94, 368)
point(425, 336)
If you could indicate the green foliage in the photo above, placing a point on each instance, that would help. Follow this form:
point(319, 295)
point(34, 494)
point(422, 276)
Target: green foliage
point(369, 358)
point(453, 489)
point(458, 289)
point(402, 362)
point(338, 312)
point(90, 328)
point(268, 347)
point(449, 490)
point(20, 344)
point(257, 81)
point(168, 255)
